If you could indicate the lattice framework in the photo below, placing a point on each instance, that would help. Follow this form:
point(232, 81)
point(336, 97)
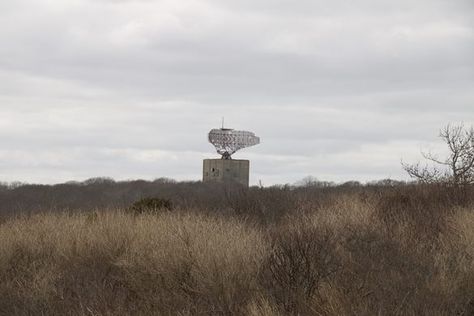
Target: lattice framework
point(227, 141)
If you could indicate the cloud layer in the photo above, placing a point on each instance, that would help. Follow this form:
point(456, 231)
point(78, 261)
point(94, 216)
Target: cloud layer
point(130, 88)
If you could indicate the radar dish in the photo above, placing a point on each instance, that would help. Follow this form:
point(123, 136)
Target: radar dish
point(227, 141)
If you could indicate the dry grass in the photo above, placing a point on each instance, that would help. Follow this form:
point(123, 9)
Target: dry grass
point(389, 253)
point(113, 263)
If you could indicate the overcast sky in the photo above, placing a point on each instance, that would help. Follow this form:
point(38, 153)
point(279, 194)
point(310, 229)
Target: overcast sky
point(129, 89)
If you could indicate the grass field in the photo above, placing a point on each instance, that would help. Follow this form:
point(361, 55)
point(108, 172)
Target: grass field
point(406, 251)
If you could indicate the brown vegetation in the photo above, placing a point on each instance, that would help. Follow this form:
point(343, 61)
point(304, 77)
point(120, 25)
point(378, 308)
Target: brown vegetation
point(396, 250)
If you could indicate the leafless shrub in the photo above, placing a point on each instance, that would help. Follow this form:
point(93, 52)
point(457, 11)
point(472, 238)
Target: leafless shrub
point(151, 206)
point(457, 168)
point(301, 258)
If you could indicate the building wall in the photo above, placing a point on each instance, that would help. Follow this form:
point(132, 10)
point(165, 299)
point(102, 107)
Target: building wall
point(226, 170)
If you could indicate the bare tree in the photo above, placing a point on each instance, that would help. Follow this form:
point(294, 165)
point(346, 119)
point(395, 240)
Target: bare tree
point(457, 168)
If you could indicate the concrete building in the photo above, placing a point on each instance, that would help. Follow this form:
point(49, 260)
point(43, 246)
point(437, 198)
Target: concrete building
point(226, 171)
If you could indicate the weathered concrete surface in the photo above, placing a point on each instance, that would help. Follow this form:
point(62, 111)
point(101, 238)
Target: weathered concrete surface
point(226, 170)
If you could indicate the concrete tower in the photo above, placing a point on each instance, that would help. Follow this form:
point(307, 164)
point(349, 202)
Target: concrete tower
point(226, 170)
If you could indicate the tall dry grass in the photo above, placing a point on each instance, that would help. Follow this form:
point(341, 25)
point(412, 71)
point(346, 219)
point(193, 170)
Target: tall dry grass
point(114, 263)
point(396, 252)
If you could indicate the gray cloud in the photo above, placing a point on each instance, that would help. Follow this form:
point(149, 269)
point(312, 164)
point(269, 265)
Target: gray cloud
point(129, 89)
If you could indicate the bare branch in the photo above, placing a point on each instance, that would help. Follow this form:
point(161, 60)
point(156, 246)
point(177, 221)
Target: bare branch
point(457, 168)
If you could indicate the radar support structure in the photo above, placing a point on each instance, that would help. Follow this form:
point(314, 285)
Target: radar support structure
point(227, 141)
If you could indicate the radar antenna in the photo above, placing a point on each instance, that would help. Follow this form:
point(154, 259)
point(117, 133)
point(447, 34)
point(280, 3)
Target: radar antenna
point(227, 140)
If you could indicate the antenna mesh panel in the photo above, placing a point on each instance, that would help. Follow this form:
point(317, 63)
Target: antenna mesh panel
point(228, 141)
